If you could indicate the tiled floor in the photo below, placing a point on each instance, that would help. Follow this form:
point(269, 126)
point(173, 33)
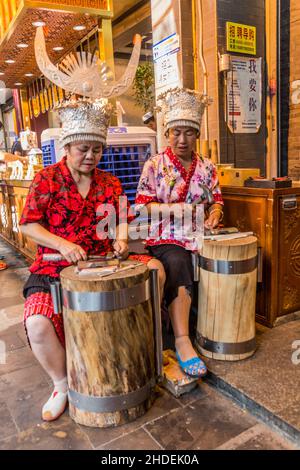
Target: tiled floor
point(270, 378)
point(202, 419)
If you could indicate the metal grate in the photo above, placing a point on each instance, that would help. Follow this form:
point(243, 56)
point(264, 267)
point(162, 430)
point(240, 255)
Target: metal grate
point(48, 149)
point(126, 162)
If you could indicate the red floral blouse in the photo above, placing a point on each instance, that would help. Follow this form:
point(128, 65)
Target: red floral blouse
point(55, 203)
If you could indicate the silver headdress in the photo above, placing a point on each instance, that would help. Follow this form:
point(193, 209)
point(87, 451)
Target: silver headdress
point(182, 107)
point(84, 120)
point(86, 75)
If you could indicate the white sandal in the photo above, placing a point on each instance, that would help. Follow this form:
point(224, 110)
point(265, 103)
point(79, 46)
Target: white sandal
point(55, 406)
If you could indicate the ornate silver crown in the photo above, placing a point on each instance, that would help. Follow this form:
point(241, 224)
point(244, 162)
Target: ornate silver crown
point(183, 107)
point(86, 75)
point(84, 120)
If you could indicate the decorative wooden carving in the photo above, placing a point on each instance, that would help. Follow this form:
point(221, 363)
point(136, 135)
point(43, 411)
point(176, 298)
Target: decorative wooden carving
point(291, 221)
point(59, 32)
point(294, 257)
point(277, 226)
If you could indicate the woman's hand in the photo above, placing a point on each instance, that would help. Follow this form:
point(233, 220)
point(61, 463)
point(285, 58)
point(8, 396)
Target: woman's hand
point(71, 252)
point(121, 249)
point(215, 216)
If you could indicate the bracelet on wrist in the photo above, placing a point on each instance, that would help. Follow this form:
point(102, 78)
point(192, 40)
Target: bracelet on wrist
point(217, 210)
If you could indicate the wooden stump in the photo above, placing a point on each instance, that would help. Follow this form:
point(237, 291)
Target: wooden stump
point(227, 293)
point(110, 351)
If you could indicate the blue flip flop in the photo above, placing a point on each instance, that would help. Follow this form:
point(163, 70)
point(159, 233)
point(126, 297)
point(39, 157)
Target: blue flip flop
point(194, 367)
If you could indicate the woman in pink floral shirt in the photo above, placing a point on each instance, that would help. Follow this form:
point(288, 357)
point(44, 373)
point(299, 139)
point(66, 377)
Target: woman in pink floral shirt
point(176, 176)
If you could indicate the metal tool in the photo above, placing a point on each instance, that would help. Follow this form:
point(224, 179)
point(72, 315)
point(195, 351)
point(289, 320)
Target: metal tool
point(220, 231)
point(156, 302)
point(195, 263)
point(101, 271)
point(98, 264)
point(94, 261)
point(56, 295)
point(58, 257)
point(125, 268)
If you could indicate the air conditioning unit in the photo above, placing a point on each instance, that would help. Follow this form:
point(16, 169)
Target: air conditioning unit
point(126, 151)
point(52, 152)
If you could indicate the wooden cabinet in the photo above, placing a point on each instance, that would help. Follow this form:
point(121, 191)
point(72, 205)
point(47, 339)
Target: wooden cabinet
point(12, 199)
point(274, 217)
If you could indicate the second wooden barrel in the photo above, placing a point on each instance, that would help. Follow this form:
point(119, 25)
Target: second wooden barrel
point(110, 346)
point(227, 294)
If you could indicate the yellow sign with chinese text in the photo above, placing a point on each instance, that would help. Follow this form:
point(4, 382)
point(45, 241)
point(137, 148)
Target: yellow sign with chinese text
point(241, 38)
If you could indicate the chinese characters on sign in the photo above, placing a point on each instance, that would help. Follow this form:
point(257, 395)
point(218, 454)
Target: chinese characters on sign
point(244, 95)
point(166, 63)
point(241, 38)
point(166, 72)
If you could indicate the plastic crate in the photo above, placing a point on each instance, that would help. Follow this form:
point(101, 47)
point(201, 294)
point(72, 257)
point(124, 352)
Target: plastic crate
point(49, 156)
point(126, 163)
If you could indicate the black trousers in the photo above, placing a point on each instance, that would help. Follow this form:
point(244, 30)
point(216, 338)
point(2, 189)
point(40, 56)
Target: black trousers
point(178, 267)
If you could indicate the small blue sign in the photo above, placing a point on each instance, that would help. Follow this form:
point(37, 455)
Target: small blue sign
point(117, 130)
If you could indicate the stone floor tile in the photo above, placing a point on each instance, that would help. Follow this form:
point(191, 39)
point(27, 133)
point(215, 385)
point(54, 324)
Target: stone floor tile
point(16, 274)
point(137, 440)
point(10, 288)
point(205, 424)
point(11, 301)
point(62, 434)
point(259, 437)
point(10, 316)
point(25, 391)
point(12, 338)
point(8, 427)
point(291, 413)
point(199, 392)
point(22, 381)
point(27, 409)
point(269, 377)
point(17, 360)
point(163, 404)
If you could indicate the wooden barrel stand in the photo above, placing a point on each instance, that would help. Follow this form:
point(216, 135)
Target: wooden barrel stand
point(110, 346)
point(227, 293)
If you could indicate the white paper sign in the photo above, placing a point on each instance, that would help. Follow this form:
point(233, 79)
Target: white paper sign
point(244, 95)
point(166, 71)
point(166, 66)
point(166, 46)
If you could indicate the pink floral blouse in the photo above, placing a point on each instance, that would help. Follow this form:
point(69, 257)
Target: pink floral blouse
point(165, 180)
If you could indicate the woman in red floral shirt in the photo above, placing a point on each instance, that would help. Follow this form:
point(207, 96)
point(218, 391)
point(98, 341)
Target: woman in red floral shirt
point(60, 215)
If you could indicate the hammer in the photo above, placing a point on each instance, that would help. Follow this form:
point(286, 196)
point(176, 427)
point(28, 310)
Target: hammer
point(94, 261)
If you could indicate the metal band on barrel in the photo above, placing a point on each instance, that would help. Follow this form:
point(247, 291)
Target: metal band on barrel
point(107, 300)
point(228, 267)
point(113, 403)
point(156, 306)
point(225, 348)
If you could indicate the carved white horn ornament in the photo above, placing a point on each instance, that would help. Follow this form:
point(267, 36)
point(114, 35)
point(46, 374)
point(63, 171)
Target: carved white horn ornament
point(84, 74)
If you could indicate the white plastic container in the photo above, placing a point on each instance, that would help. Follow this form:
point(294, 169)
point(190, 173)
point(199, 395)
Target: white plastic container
point(51, 137)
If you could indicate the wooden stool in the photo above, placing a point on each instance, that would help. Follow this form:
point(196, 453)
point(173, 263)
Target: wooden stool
point(227, 293)
point(110, 346)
